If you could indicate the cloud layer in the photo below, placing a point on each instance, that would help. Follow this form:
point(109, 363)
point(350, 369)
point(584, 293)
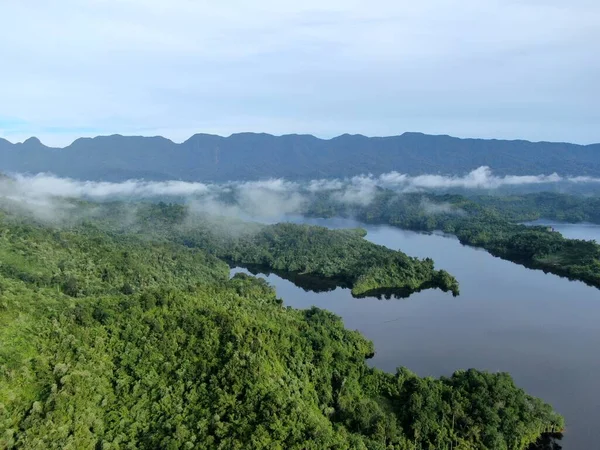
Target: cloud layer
point(45, 194)
point(489, 68)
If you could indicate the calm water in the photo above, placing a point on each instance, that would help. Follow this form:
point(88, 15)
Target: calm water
point(587, 231)
point(542, 329)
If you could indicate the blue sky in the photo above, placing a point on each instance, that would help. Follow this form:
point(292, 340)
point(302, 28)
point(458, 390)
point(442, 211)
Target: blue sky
point(476, 68)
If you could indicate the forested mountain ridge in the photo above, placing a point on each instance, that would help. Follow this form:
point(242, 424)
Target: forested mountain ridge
point(109, 342)
point(244, 156)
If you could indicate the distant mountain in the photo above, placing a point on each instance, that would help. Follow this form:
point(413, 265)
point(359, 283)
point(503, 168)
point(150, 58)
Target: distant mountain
point(207, 157)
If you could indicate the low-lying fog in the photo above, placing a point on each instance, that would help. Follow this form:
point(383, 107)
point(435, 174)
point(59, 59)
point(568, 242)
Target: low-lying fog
point(42, 194)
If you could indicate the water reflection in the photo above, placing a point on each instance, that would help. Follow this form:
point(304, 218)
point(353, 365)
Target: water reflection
point(388, 293)
point(319, 284)
point(308, 283)
point(548, 441)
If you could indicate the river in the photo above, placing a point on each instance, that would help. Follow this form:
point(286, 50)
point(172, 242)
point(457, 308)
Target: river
point(542, 329)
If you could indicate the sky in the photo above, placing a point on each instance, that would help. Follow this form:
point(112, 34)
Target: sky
point(476, 68)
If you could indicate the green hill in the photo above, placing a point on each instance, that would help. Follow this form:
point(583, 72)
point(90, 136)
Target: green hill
point(126, 340)
point(250, 156)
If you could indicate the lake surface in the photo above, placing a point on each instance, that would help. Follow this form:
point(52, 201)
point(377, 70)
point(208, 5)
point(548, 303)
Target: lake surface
point(586, 231)
point(542, 329)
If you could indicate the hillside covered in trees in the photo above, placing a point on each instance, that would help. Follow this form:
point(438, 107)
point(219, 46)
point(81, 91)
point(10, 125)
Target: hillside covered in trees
point(543, 205)
point(115, 339)
point(251, 156)
point(343, 256)
point(338, 257)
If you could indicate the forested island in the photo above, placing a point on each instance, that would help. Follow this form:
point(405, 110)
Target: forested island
point(488, 222)
point(123, 334)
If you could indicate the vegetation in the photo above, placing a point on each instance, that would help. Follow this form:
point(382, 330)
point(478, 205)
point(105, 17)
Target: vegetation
point(544, 205)
point(115, 340)
point(342, 257)
point(487, 223)
point(252, 156)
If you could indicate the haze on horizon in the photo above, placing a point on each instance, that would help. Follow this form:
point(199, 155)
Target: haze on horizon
point(508, 69)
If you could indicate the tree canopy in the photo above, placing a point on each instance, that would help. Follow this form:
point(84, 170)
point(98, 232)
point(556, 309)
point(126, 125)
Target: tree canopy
point(487, 222)
point(126, 340)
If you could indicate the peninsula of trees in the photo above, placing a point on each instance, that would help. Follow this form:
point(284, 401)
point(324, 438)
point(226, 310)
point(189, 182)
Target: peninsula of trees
point(343, 256)
point(491, 223)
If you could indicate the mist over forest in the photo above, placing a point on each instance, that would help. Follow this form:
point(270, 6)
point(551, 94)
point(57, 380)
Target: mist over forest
point(47, 195)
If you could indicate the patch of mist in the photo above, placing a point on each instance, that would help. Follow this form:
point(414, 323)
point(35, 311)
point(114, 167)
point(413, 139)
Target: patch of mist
point(54, 199)
point(433, 208)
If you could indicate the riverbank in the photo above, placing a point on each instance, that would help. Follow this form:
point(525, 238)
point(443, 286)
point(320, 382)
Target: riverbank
point(539, 327)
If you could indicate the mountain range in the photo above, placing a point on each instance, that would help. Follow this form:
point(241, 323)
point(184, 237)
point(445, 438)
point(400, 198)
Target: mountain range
point(245, 156)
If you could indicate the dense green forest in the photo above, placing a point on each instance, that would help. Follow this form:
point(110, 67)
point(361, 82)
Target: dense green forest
point(342, 257)
point(544, 205)
point(116, 337)
point(487, 222)
point(252, 156)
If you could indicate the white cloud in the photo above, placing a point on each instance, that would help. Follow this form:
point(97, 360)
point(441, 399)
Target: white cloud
point(271, 198)
point(274, 185)
point(584, 180)
point(487, 68)
point(44, 195)
point(44, 185)
point(324, 185)
point(275, 196)
point(480, 178)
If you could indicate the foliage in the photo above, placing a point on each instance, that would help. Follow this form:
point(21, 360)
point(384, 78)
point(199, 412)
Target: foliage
point(185, 357)
point(342, 256)
point(338, 254)
point(544, 205)
point(476, 223)
point(252, 156)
